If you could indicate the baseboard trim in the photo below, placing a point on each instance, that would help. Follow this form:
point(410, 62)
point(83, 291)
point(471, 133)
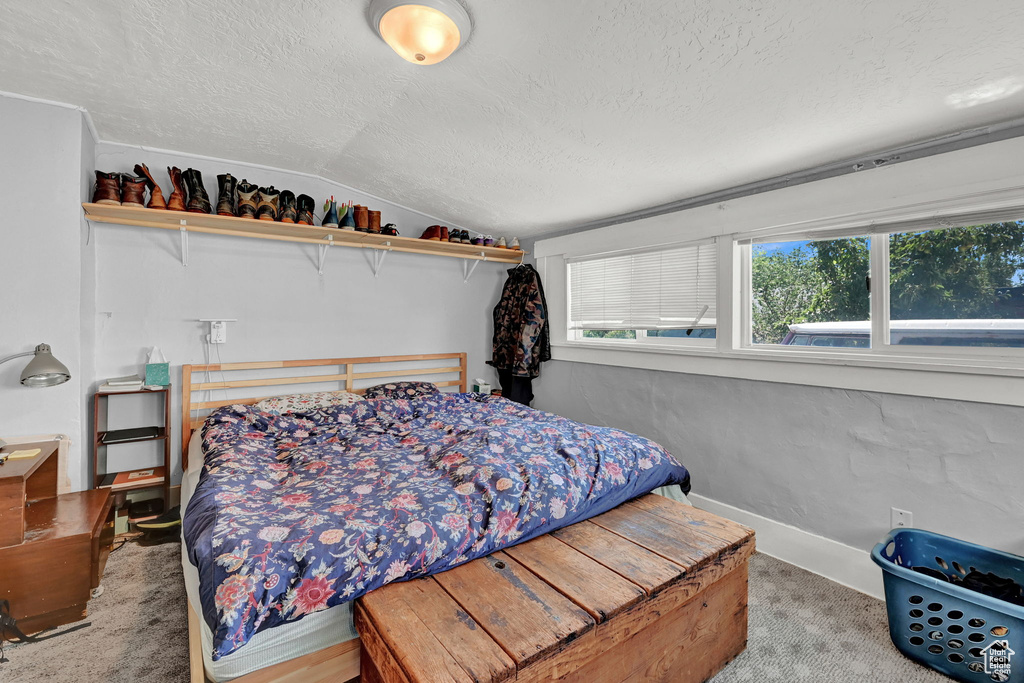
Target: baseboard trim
point(846, 565)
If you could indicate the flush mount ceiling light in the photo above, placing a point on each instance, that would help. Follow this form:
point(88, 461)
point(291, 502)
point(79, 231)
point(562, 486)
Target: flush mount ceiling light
point(425, 32)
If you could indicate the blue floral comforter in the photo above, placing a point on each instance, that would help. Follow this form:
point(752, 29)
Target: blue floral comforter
point(295, 514)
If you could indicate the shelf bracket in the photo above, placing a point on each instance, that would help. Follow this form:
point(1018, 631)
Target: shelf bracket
point(323, 253)
point(88, 233)
point(468, 268)
point(378, 258)
point(184, 242)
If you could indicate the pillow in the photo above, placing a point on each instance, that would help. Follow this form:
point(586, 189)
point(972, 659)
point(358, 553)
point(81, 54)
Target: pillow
point(401, 390)
point(303, 403)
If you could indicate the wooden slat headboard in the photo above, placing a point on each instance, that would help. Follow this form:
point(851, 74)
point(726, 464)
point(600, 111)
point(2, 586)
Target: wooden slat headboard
point(348, 376)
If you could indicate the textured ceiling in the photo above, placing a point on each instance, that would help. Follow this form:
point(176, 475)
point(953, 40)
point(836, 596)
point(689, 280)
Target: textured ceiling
point(556, 112)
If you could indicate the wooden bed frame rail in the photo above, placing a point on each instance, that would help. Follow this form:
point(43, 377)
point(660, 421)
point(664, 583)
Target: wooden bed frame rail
point(348, 375)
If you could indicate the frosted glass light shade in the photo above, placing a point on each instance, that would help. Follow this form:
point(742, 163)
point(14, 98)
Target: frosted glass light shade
point(424, 33)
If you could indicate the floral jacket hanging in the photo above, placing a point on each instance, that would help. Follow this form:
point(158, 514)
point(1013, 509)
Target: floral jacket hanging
point(521, 340)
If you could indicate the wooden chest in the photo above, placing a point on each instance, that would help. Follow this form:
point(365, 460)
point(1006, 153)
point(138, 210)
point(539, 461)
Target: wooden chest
point(653, 590)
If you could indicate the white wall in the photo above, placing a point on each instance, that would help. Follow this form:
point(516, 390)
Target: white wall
point(145, 297)
point(102, 305)
point(40, 188)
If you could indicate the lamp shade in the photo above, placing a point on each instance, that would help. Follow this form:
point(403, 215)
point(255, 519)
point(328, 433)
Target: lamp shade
point(422, 31)
point(44, 370)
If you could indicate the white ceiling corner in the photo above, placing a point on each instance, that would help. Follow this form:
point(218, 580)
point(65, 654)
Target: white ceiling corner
point(554, 114)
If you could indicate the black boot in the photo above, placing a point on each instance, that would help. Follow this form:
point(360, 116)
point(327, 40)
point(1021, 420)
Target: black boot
point(287, 213)
point(226, 196)
point(198, 200)
point(306, 204)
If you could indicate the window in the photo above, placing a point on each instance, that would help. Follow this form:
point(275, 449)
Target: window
point(957, 286)
point(944, 287)
point(660, 296)
point(821, 282)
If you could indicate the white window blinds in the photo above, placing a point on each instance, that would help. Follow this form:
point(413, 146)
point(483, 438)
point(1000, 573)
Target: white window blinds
point(672, 288)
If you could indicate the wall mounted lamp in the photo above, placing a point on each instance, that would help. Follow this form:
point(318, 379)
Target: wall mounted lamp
point(42, 371)
point(422, 32)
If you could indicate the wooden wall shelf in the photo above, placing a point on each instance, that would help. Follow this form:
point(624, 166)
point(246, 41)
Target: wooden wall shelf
point(291, 232)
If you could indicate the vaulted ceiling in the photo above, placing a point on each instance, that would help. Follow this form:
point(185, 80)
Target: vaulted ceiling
point(556, 112)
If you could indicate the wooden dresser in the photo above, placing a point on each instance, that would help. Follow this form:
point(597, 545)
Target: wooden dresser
point(52, 547)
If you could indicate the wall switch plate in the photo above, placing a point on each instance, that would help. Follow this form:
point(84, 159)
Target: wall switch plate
point(901, 519)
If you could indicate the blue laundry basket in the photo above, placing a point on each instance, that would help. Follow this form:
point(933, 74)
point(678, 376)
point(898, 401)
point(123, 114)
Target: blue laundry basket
point(964, 634)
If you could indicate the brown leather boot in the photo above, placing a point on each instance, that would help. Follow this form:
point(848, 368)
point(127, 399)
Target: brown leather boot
point(247, 202)
point(156, 196)
point(133, 191)
point(108, 189)
point(176, 202)
point(268, 199)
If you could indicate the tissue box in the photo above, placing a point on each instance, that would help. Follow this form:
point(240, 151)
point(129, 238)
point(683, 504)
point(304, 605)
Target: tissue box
point(158, 370)
point(158, 374)
point(481, 387)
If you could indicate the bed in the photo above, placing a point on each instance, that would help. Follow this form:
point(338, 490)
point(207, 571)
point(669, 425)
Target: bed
point(265, 596)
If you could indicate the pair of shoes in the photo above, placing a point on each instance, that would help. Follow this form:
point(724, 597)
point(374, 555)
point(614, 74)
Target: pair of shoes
point(390, 230)
point(433, 233)
point(459, 236)
point(197, 200)
point(119, 189)
point(284, 206)
point(514, 244)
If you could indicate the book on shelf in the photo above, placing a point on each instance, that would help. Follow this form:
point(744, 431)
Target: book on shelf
point(133, 434)
point(131, 479)
point(127, 380)
point(109, 389)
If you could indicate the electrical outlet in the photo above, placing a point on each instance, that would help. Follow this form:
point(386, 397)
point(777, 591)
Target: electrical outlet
point(218, 329)
point(901, 519)
point(218, 332)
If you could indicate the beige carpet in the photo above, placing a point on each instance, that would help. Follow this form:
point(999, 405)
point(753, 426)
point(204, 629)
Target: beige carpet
point(802, 628)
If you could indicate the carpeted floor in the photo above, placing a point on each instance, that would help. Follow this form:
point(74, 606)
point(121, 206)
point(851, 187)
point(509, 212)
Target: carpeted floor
point(802, 628)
